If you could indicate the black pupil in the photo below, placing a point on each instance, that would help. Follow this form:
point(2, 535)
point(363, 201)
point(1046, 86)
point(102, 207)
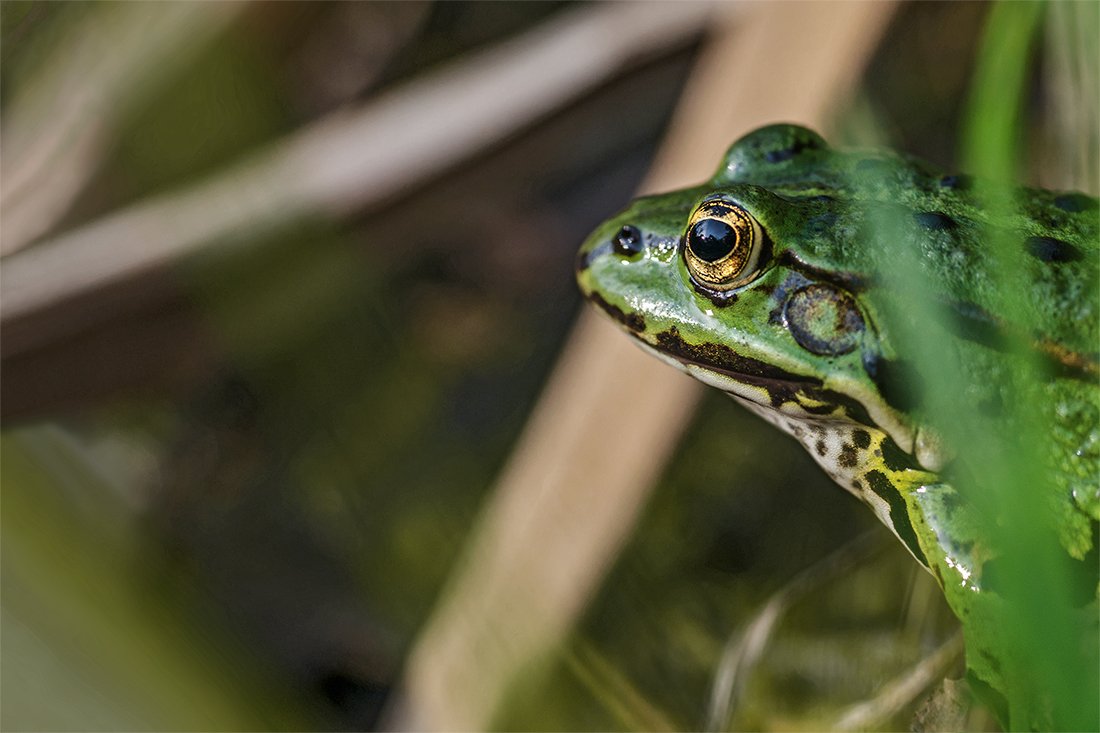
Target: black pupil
point(711, 239)
point(628, 241)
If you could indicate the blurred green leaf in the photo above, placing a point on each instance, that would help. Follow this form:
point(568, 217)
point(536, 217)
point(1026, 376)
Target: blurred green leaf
point(90, 641)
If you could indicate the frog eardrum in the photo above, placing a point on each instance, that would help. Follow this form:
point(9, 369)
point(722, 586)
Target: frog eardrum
point(722, 245)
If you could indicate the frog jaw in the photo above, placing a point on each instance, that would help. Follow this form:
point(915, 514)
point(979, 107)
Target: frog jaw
point(855, 456)
point(795, 404)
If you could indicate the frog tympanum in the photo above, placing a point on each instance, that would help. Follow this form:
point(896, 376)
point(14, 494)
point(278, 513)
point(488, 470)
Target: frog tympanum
point(799, 279)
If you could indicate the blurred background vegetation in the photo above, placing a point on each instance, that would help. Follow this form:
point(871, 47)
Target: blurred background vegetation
point(234, 484)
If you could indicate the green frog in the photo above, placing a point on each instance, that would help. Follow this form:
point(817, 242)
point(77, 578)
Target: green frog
point(810, 284)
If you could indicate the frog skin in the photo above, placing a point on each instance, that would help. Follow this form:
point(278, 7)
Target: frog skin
point(772, 283)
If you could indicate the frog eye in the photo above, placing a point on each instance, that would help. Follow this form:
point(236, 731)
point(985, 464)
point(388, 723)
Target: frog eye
point(722, 245)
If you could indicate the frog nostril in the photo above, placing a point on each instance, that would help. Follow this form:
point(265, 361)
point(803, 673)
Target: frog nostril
point(628, 242)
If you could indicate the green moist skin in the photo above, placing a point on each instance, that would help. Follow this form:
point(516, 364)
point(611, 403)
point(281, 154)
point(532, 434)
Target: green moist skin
point(779, 281)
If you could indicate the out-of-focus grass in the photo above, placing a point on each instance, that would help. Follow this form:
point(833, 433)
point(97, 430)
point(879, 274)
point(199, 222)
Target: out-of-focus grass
point(1044, 633)
point(1050, 680)
point(741, 509)
point(108, 645)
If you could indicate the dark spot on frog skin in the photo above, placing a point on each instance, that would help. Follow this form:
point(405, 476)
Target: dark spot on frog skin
point(898, 382)
point(951, 504)
point(862, 439)
point(785, 154)
point(772, 144)
point(633, 321)
point(894, 457)
point(822, 198)
point(957, 182)
point(992, 407)
point(765, 289)
point(938, 574)
point(973, 323)
point(848, 456)
point(820, 448)
point(993, 661)
point(818, 225)
point(935, 221)
point(1076, 202)
point(1049, 249)
point(848, 281)
point(899, 517)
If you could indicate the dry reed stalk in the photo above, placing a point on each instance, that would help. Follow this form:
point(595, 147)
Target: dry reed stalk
point(354, 158)
point(610, 415)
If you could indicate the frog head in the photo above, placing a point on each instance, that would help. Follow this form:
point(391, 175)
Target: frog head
point(754, 283)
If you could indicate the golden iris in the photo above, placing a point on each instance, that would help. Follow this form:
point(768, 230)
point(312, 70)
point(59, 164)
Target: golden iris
point(722, 244)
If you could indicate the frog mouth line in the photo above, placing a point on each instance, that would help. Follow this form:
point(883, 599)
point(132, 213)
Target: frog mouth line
point(780, 384)
point(805, 393)
point(724, 360)
point(715, 357)
point(633, 322)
